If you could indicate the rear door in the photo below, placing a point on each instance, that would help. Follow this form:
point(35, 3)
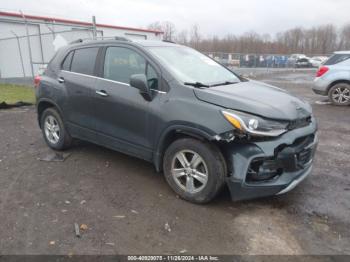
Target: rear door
point(121, 114)
point(78, 76)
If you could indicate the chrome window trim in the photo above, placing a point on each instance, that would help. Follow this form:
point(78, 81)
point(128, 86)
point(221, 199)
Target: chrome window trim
point(96, 77)
point(158, 91)
point(109, 80)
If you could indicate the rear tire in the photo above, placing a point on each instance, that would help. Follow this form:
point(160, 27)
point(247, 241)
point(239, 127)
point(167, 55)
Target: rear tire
point(339, 94)
point(195, 170)
point(55, 134)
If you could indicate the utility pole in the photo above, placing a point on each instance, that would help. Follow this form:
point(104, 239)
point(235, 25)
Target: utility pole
point(28, 41)
point(94, 34)
point(20, 52)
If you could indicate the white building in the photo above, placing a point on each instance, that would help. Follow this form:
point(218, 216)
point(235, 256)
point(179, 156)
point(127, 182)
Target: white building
point(46, 35)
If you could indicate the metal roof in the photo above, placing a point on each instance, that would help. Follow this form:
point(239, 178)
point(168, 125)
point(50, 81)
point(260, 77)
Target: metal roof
point(75, 22)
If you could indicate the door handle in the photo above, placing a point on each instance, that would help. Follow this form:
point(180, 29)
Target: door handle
point(60, 80)
point(102, 93)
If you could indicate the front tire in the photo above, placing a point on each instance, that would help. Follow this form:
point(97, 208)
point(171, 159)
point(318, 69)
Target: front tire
point(339, 94)
point(195, 170)
point(55, 134)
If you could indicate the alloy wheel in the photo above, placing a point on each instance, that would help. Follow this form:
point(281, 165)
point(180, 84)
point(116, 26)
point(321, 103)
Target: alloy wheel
point(189, 171)
point(52, 129)
point(341, 95)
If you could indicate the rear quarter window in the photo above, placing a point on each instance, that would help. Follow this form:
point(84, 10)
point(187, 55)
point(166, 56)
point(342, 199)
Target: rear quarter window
point(337, 58)
point(67, 61)
point(84, 60)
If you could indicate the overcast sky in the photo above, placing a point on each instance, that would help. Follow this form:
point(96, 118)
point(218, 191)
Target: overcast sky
point(213, 17)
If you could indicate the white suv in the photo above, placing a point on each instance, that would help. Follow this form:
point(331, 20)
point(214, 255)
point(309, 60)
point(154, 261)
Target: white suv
point(333, 79)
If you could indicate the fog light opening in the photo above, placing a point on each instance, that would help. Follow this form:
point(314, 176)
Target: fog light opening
point(263, 170)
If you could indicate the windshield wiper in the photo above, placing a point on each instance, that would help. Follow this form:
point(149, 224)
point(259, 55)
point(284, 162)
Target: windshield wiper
point(196, 84)
point(225, 83)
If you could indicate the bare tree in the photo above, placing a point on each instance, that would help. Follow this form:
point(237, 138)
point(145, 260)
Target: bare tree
point(344, 42)
point(169, 31)
point(195, 36)
point(182, 37)
point(323, 39)
point(155, 26)
point(167, 27)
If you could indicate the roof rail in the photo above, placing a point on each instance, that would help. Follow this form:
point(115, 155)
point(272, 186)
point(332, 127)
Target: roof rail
point(121, 38)
point(76, 41)
point(118, 38)
point(169, 41)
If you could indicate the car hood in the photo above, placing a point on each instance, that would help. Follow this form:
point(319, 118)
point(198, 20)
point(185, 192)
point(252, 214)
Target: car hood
point(256, 98)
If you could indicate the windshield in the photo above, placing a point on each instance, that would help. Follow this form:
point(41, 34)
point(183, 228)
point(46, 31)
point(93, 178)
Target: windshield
point(190, 66)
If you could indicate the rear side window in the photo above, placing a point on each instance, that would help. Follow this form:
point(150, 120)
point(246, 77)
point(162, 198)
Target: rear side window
point(67, 61)
point(84, 60)
point(337, 58)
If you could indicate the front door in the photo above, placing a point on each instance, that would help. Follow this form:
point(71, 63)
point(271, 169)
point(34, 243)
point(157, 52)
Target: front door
point(122, 115)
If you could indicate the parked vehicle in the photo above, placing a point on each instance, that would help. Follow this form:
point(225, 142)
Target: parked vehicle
point(249, 61)
point(294, 58)
point(317, 61)
point(194, 119)
point(303, 63)
point(333, 79)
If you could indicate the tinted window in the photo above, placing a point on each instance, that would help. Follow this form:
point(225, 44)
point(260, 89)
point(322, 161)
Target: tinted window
point(121, 63)
point(84, 60)
point(337, 58)
point(67, 61)
point(152, 77)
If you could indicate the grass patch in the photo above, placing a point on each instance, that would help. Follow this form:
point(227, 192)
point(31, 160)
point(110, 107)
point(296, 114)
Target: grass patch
point(11, 94)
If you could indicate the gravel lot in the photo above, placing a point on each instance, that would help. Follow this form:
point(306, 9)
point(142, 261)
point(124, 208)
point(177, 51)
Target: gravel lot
point(129, 209)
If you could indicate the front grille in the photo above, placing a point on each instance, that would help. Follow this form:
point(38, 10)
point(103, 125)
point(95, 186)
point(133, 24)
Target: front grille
point(304, 157)
point(302, 150)
point(298, 123)
point(303, 141)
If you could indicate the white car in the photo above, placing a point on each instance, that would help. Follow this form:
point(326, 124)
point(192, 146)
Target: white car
point(333, 79)
point(294, 58)
point(317, 61)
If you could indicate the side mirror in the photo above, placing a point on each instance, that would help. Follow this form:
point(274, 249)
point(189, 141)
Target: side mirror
point(139, 81)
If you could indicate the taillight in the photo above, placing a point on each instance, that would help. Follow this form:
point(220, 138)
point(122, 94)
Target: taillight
point(37, 80)
point(322, 71)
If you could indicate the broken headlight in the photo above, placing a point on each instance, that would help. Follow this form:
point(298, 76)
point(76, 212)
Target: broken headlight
point(255, 125)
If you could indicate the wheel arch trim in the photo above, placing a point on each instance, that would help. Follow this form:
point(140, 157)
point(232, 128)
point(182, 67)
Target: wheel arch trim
point(335, 82)
point(48, 101)
point(181, 129)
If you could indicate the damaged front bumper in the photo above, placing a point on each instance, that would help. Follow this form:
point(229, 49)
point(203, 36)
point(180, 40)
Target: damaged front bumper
point(271, 167)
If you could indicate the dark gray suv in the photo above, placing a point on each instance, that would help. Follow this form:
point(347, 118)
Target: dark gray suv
point(194, 119)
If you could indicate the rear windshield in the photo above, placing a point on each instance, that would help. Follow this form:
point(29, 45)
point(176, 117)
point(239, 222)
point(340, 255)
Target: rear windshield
point(337, 58)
